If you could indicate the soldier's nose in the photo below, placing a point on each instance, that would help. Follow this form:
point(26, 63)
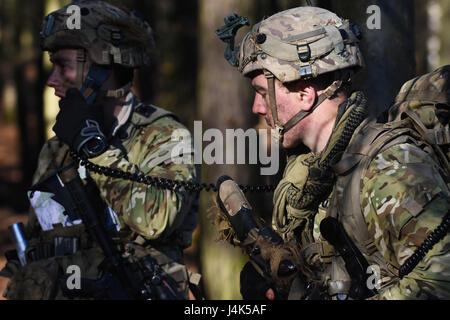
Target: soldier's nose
point(52, 81)
point(258, 106)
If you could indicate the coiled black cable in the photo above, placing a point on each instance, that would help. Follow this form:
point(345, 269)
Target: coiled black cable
point(437, 235)
point(162, 183)
point(316, 192)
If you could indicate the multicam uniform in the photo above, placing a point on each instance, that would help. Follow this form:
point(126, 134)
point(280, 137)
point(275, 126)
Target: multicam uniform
point(388, 194)
point(160, 220)
point(157, 221)
point(402, 197)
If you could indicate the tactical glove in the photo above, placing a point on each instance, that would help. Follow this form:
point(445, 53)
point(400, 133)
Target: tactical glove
point(253, 285)
point(78, 125)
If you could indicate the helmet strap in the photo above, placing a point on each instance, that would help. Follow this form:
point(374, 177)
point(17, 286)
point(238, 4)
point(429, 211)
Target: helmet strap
point(119, 93)
point(273, 105)
point(95, 78)
point(328, 93)
point(97, 75)
point(282, 129)
point(81, 62)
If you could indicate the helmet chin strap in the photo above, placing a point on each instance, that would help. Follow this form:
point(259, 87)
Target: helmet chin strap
point(95, 142)
point(119, 93)
point(281, 129)
point(96, 77)
point(277, 134)
point(81, 62)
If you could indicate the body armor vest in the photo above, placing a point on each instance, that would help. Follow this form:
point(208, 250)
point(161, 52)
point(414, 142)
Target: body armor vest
point(344, 204)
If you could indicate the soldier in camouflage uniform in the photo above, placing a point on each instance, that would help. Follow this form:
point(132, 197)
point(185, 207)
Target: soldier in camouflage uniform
point(382, 182)
point(135, 138)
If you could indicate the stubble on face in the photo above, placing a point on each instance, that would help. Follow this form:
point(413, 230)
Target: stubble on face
point(64, 73)
point(287, 107)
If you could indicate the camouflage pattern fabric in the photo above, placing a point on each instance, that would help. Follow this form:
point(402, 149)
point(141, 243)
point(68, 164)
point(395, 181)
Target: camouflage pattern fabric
point(287, 215)
point(404, 198)
point(274, 44)
point(151, 212)
point(420, 91)
point(108, 33)
point(164, 217)
point(38, 280)
point(300, 44)
point(425, 101)
point(412, 197)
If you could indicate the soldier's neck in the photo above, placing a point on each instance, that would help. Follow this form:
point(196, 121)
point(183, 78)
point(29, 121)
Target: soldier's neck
point(321, 124)
point(111, 109)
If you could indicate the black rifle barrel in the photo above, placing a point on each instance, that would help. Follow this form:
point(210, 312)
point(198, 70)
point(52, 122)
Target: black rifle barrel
point(69, 176)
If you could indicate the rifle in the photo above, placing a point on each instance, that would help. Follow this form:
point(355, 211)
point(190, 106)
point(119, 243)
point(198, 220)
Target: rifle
point(122, 279)
point(259, 243)
point(355, 263)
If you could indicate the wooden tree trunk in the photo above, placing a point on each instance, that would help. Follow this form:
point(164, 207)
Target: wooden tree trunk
point(224, 102)
point(444, 52)
point(388, 51)
point(170, 81)
point(2, 57)
point(29, 79)
point(421, 34)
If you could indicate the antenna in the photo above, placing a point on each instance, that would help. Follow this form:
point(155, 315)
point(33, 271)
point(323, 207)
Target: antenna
point(309, 3)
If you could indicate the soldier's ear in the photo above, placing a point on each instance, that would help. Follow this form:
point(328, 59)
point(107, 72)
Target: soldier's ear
point(306, 97)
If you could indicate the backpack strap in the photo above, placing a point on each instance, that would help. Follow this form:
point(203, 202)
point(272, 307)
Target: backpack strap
point(435, 137)
point(369, 140)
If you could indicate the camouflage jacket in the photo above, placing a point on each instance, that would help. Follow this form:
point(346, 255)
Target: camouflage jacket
point(159, 221)
point(137, 146)
point(402, 198)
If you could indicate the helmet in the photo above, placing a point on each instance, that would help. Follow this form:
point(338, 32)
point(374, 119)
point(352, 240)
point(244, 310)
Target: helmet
point(296, 44)
point(108, 34)
point(300, 43)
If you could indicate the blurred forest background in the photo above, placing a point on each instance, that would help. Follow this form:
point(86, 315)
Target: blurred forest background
point(190, 77)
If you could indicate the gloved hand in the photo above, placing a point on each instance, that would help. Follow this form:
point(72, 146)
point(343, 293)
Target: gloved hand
point(73, 118)
point(253, 285)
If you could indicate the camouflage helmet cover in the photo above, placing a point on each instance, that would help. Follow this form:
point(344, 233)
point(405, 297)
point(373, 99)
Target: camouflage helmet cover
point(108, 34)
point(300, 43)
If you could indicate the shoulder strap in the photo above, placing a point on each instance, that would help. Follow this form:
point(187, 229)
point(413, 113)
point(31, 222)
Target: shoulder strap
point(370, 139)
point(145, 114)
